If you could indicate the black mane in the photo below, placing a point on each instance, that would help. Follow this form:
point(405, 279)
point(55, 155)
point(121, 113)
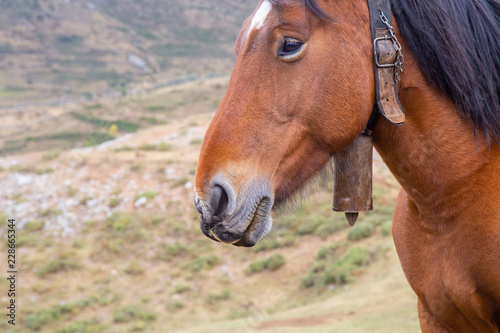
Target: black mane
point(457, 46)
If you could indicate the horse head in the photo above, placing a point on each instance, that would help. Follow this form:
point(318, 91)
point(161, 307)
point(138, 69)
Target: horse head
point(302, 89)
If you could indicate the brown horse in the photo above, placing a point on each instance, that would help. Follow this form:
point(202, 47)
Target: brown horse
point(303, 89)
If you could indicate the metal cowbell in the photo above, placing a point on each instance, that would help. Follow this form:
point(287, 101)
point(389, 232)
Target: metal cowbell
point(353, 179)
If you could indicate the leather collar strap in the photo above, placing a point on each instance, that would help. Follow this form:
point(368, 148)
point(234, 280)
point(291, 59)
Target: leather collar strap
point(387, 63)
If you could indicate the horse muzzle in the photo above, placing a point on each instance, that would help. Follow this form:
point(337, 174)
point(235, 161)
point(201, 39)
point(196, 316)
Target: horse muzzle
point(240, 220)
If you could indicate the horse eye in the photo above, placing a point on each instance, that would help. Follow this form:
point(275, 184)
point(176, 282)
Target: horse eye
point(290, 46)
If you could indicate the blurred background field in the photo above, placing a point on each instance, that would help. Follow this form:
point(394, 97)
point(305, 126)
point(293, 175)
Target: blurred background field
point(103, 108)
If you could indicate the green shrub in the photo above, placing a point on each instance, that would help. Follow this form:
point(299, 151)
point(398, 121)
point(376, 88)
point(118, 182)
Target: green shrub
point(175, 305)
point(309, 224)
point(341, 271)
point(114, 246)
point(36, 320)
point(136, 166)
point(327, 251)
point(256, 266)
point(196, 142)
point(329, 270)
point(163, 146)
point(134, 268)
point(309, 280)
point(148, 195)
point(338, 274)
point(360, 231)
point(155, 219)
point(121, 228)
point(180, 288)
point(93, 106)
point(6, 48)
point(119, 222)
point(177, 50)
point(96, 138)
point(51, 155)
point(27, 240)
point(105, 296)
point(71, 191)
point(33, 322)
point(50, 212)
point(386, 228)
point(114, 202)
point(124, 148)
point(152, 121)
point(203, 262)
point(34, 225)
point(215, 298)
point(139, 326)
point(272, 263)
point(170, 251)
point(156, 108)
point(70, 39)
point(147, 147)
point(133, 312)
point(58, 265)
point(77, 244)
point(328, 228)
point(84, 200)
point(84, 327)
point(180, 182)
point(268, 244)
point(123, 125)
point(357, 256)
point(238, 313)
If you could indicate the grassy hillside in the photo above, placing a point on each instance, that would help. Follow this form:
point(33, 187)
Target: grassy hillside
point(55, 48)
point(79, 125)
point(109, 240)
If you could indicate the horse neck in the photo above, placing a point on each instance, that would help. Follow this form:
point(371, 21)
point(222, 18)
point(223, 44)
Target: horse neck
point(436, 156)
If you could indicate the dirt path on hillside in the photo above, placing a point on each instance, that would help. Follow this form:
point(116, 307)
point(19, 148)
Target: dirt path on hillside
point(325, 319)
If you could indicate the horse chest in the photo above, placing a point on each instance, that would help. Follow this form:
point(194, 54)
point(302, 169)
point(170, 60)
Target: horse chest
point(450, 272)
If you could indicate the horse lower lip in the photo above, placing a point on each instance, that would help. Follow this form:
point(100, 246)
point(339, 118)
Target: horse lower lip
point(244, 243)
point(220, 240)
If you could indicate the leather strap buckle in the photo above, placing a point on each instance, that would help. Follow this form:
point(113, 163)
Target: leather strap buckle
point(387, 64)
point(384, 52)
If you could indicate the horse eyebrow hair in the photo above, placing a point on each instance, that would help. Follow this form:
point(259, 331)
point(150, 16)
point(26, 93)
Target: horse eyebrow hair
point(311, 5)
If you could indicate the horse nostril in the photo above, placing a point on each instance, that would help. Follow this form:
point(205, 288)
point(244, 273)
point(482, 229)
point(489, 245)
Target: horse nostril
point(219, 201)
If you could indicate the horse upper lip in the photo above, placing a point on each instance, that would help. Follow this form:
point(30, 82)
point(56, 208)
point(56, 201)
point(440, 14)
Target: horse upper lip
point(198, 204)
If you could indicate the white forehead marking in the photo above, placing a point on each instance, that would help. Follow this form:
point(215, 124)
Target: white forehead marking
point(260, 16)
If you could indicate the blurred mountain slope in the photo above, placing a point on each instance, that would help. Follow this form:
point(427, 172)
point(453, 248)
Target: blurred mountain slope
point(52, 48)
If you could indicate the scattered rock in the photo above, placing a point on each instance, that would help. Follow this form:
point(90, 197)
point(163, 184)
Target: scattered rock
point(140, 202)
point(136, 61)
